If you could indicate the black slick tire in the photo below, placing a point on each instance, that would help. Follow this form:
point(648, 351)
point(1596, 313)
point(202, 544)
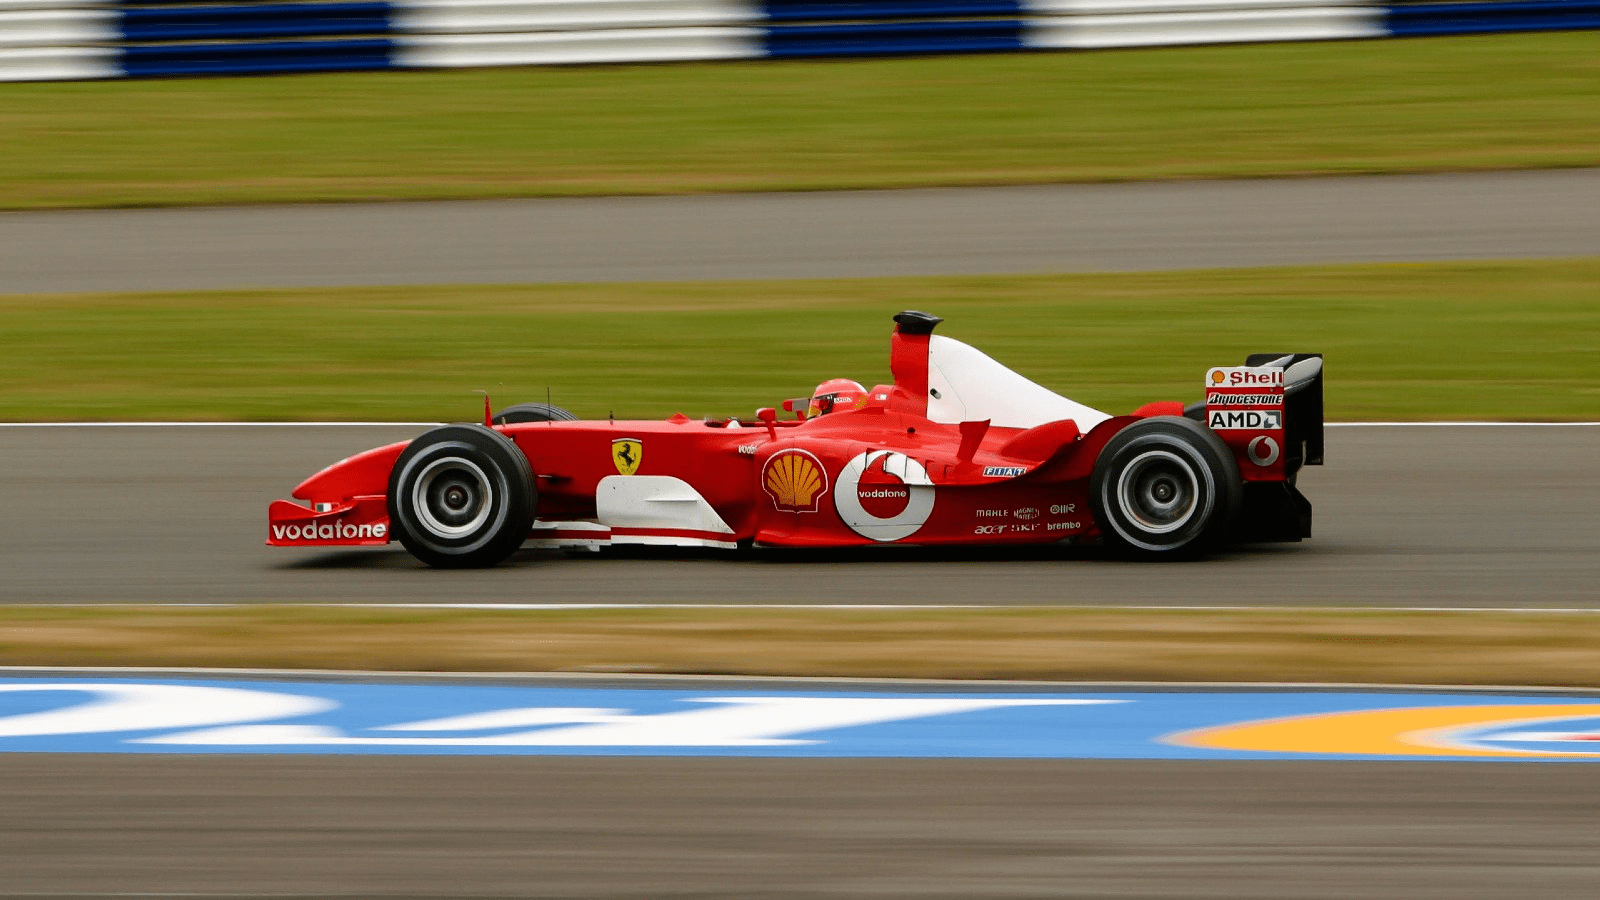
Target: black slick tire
point(461, 497)
point(532, 412)
point(1165, 487)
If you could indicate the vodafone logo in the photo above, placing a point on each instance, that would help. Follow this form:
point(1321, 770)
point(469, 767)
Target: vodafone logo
point(883, 495)
point(1263, 451)
point(337, 530)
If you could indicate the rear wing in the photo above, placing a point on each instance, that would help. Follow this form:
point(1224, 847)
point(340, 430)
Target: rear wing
point(1302, 401)
point(1269, 411)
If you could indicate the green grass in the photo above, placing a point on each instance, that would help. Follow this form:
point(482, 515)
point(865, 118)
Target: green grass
point(1501, 101)
point(1501, 340)
point(1494, 648)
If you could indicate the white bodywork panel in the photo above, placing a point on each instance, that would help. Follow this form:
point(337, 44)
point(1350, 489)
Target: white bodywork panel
point(579, 535)
point(967, 386)
point(656, 502)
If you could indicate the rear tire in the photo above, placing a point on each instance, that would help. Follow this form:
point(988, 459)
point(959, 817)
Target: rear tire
point(532, 412)
point(1165, 487)
point(461, 497)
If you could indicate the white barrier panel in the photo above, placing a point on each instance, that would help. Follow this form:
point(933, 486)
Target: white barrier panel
point(56, 43)
point(1085, 24)
point(57, 27)
point(59, 63)
point(555, 47)
point(49, 4)
point(480, 16)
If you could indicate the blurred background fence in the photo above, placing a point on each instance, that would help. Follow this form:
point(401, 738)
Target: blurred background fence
point(80, 39)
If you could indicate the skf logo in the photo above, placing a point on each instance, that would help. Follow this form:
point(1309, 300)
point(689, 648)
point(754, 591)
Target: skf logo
point(795, 481)
point(1244, 420)
point(626, 453)
point(1244, 376)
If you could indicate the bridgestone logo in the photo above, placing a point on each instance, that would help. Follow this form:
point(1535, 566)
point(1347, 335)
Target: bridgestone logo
point(329, 531)
point(1244, 399)
point(1245, 419)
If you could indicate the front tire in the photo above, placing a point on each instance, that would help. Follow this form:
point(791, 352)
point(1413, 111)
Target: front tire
point(532, 412)
point(461, 497)
point(1165, 487)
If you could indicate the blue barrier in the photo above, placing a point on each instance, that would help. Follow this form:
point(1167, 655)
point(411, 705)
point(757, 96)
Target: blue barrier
point(1480, 18)
point(67, 39)
point(256, 57)
point(884, 39)
point(256, 20)
point(813, 11)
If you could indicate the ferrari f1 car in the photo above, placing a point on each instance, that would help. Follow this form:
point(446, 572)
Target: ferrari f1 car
point(958, 449)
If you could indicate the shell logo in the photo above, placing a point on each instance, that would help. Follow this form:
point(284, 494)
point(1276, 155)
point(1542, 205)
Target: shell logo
point(1217, 377)
point(795, 481)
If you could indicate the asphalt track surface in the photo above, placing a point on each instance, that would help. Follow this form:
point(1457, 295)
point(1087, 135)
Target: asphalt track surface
point(1405, 517)
point(756, 829)
point(1050, 228)
point(1466, 516)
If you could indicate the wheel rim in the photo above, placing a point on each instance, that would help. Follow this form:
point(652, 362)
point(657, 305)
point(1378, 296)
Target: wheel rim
point(452, 497)
point(1158, 490)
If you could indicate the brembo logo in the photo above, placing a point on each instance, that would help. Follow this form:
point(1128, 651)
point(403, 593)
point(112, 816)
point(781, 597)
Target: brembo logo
point(337, 530)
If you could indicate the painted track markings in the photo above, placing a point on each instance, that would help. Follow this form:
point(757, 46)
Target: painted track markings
point(58, 713)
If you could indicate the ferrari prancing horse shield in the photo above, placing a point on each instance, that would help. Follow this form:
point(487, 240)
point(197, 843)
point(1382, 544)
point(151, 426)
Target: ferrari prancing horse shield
point(626, 453)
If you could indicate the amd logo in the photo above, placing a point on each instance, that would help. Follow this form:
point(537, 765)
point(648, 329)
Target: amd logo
point(1244, 419)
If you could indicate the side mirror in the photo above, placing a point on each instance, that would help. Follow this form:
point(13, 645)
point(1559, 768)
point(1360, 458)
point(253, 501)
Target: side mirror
point(797, 406)
point(769, 417)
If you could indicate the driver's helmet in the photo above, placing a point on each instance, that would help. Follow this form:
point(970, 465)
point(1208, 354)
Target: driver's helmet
point(834, 394)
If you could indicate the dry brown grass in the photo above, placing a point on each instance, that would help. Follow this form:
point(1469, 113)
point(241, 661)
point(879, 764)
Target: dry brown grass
point(1042, 644)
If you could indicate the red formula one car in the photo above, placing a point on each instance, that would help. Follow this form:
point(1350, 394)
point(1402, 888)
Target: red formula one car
point(957, 450)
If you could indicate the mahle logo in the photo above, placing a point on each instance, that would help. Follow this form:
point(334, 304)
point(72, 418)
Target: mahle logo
point(795, 481)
